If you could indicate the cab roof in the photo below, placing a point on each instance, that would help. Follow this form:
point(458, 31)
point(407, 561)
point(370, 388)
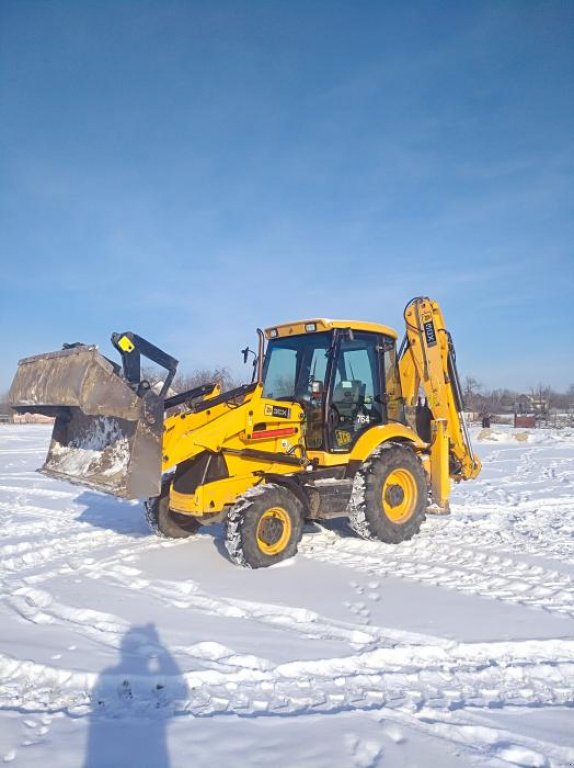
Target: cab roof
point(300, 327)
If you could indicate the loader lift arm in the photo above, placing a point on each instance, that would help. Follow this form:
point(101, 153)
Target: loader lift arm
point(131, 348)
point(427, 359)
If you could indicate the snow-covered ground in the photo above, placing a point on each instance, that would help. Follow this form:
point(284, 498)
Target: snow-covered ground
point(454, 649)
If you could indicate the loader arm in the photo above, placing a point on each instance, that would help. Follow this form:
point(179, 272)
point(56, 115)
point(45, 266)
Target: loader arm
point(427, 359)
point(131, 348)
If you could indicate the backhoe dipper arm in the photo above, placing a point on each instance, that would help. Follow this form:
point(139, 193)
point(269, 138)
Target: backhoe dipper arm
point(428, 360)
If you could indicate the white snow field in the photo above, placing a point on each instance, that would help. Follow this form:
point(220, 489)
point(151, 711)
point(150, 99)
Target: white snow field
point(118, 648)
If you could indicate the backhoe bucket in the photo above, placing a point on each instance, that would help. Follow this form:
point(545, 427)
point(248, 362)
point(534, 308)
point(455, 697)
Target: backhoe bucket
point(106, 435)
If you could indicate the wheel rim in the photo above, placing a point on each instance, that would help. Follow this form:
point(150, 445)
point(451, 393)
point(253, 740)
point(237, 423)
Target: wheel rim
point(273, 530)
point(399, 495)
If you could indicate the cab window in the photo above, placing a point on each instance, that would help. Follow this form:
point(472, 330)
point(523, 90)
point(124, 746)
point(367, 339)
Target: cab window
point(293, 363)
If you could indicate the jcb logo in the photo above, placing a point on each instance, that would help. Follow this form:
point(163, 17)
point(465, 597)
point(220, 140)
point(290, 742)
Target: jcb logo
point(278, 411)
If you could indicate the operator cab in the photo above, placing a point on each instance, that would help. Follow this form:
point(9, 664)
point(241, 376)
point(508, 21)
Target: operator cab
point(344, 375)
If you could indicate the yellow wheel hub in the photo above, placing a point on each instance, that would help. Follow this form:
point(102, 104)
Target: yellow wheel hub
point(273, 531)
point(399, 496)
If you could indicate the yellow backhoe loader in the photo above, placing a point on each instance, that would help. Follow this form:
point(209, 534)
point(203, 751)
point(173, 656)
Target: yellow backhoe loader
point(335, 423)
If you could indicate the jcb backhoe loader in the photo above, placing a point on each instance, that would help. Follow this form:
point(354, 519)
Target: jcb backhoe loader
point(333, 424)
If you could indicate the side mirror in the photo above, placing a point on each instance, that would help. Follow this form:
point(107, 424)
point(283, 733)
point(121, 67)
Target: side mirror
point(245, 352)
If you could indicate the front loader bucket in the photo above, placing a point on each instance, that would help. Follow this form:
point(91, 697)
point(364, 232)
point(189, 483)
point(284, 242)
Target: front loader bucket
point(107, 435)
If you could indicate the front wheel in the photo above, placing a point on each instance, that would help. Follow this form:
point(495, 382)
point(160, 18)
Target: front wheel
point(264, 526)
point(164, 522)
point(389, 496)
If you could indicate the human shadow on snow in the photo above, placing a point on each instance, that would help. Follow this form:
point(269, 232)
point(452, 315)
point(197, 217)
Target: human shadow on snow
point(132, 704)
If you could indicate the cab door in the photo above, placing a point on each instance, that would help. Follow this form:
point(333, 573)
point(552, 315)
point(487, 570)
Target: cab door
point(354, 401)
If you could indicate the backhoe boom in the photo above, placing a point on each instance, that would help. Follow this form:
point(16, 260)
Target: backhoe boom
point(428, 361)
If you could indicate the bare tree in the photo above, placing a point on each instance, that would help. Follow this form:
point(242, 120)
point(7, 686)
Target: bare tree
point(199, 376)
point(492, 401)
point(471, 393)
point(195, 378)
point(541, 398)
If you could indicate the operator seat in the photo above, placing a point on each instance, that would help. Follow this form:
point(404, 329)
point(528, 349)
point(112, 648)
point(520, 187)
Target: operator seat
point(348, 398)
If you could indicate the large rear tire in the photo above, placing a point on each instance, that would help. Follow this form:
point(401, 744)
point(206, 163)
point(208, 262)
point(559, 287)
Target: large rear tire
point(389, 496)
point(264, 527)
point(164, 522)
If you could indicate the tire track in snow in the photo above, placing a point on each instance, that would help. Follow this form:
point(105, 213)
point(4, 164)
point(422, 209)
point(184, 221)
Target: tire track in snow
point(521, 674)
point(20, 590)
point(28, 556)
point(475, 733)
point(40, 607)
point(24, 561)
point(465, 570)
point(524, 536)
point(517, 530)
point(27, 521)
point(57, 538)
point(24, 491)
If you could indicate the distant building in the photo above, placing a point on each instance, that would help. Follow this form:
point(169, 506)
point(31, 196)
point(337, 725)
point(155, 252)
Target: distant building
point(31, 418)
point(530, 404)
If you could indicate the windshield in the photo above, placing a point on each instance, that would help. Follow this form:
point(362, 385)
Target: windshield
point(292, 363)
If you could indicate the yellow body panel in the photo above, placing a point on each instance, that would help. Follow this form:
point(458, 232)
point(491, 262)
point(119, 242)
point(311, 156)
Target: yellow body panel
point(372, 438)
point(367, 443)
point(322, 324)
point(211, 498)
point(231, 429)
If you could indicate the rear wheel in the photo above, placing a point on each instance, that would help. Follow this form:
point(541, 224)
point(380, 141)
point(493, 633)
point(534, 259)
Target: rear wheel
point(164, 522)
point(390, 495)
point(264, 526)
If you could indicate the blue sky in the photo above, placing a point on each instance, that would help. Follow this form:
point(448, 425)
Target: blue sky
point(191, 170)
